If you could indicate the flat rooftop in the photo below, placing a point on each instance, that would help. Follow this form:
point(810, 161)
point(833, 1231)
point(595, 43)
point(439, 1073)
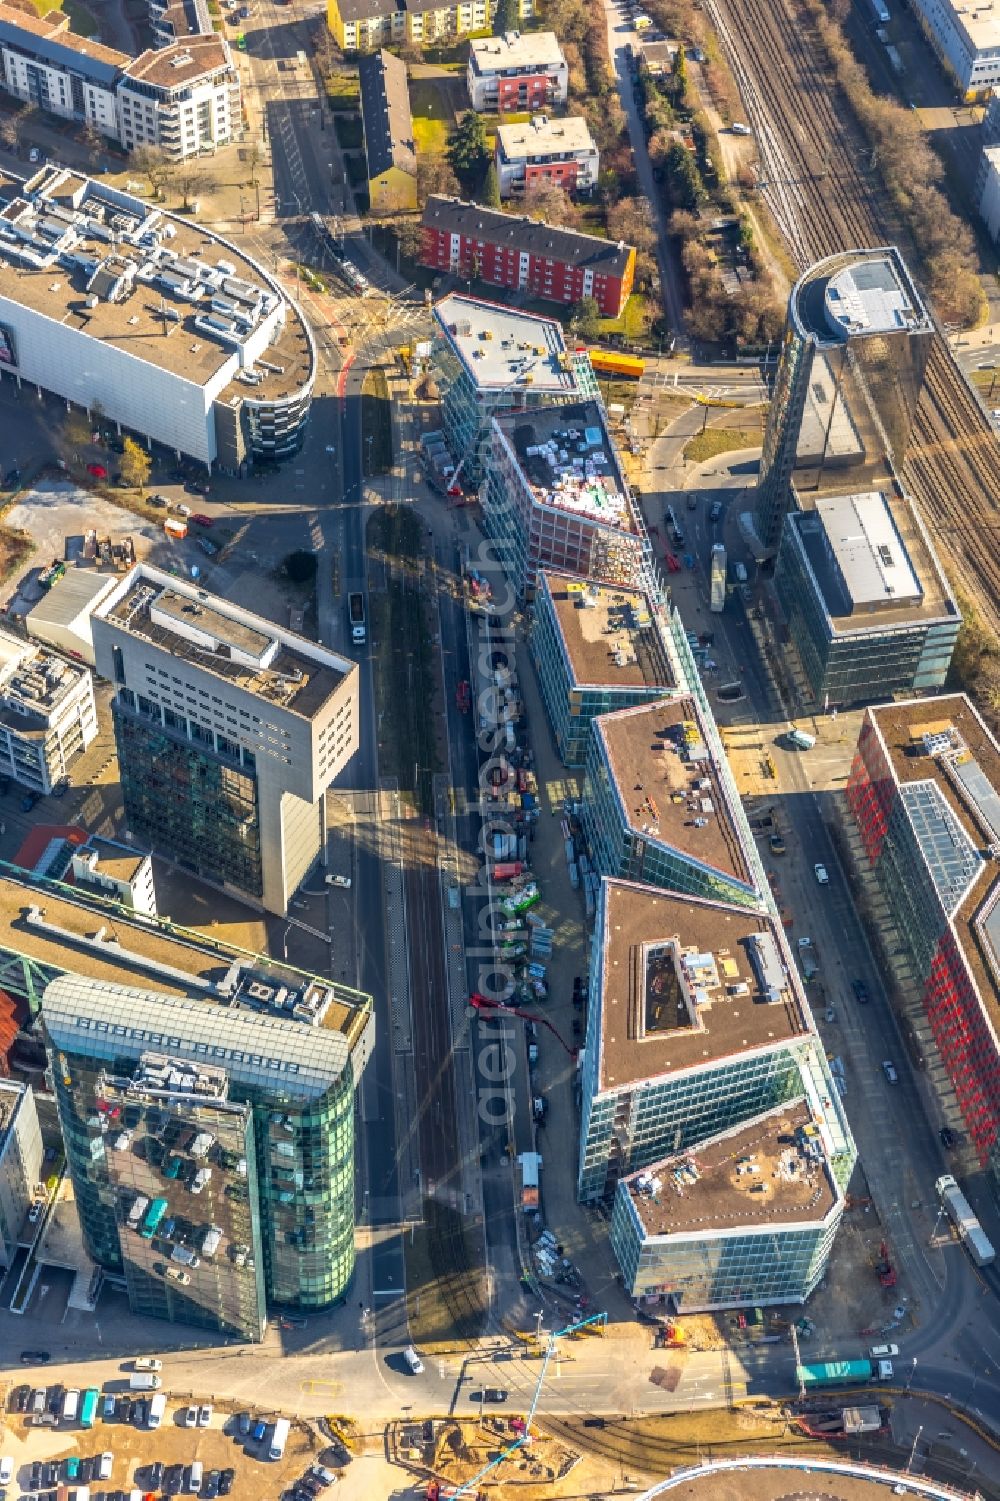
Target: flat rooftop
point(669, 786)
point(515, 49)
point(192, 57)
point(10, 1098)
point(118, 861)
point(155, 285)
point(772, 1171)
point(607, 634)
point(980, 22)
point(35, 680)
point(858, 293)
point(75, 932)
point(570, 463)
point(234, 645)
point(948, 766)
point(686, 983)
point(568, 135)
point(501, 347)
point(872, 560)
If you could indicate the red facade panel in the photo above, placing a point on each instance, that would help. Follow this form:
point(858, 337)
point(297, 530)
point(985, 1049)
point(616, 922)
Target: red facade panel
point(965, 1044)
point(559, 282)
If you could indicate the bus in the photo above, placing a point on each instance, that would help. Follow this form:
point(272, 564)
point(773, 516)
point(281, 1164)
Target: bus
point(88, 1407)
point(626, 366)
point(154, 1215)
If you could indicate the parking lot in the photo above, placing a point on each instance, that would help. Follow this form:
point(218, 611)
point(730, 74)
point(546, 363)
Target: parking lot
point(232, 1448)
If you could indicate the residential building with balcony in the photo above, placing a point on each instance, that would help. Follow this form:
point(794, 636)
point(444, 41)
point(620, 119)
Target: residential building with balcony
point(488, 359)
point(696, 1024)
point(522, 70)
point(660, 807)
point(546, 150)
point(923, 800)
point(744, 1219)
point(210, 1140)
point(510, 250)
point(555, 497)
point(596, 650)
point(47, 713)
point(363, 25)
point(229, 731)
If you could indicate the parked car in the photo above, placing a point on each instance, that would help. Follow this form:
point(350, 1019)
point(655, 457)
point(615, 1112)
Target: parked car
point(413, 1361)
point(147, 1363)
point(97, 471)
point(190, 1419)
point(6, 1470)
point(822, 874)
point(777, 844)
point(226, 1481)
point(889, 1069)
point(204, 1414)
point(860, 991)
point(200, 519)
point(160, 501)
point(243, 1425)
point(948, 1137)
point(28, 801)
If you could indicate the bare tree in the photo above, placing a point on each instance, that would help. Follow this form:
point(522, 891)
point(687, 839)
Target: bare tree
point(253, 154)
point(154, 163)
point(434, 175)
point(190, 179)
point(12, 127)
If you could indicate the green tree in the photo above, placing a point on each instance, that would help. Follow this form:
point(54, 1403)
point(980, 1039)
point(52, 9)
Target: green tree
point(490, 195)
point(468, 152)
point(679, 73)
point(684, 183)
point(587, 318)
point(507, 17)
point(135, 465)
point(301, 566)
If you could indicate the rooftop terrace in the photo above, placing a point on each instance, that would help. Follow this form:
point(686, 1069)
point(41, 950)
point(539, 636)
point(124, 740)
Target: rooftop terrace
point(501, 347)
point(687, 982)
point(668, 784)
point(236, 646)
point(770, 1171)
point(607, 634)
point(569, 461)
point(155, 285)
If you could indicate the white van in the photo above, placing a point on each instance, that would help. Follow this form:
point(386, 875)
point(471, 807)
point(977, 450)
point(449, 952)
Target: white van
point(140, 1382)
point(279, 1438)
point(195, 1475)
point(801, 740)
point(70, 1405)
point(157, 1409)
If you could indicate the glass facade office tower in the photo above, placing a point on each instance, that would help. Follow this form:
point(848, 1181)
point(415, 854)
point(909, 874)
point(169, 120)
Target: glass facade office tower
point(924, 797)
point(289, 1060)
point(848, 381)
point(229, 731)
point(596, 650)
point(747, 1218)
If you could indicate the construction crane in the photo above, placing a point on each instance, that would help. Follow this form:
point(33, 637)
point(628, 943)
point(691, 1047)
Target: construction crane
point(525, 1437)
point(483, 1003)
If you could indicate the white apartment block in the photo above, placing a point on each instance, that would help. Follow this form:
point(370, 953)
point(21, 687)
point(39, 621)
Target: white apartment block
point(519, 71)
point(965, 34)
point(988, 191)
point(183, 97)
point(229, 731)
point(47, 713)
point(548, 151)
point(21, 1156)
point(365, 25)
point(117, 871)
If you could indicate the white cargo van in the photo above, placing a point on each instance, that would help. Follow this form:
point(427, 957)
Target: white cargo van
point(195, 1476)
point(70, 1405)
point(140, 1382)
point(157, 1409)
point(801, 740)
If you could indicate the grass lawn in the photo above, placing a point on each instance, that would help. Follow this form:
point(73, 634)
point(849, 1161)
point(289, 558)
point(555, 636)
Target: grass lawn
point(429, 136)
point(343, 90)
point(634, 322)
point(376, 424)
point(433, 113)
point(718, 440)
point(42, 7)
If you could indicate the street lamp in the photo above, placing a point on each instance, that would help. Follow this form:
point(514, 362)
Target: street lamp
point(284, 940)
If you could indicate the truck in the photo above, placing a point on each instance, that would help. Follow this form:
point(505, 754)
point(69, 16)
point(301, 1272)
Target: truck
point(141, 1381)
point(843, 1373)
point(176, 527)
point(530, 1164)
point(718, 577)
point(356, 615)
point(959, 1211)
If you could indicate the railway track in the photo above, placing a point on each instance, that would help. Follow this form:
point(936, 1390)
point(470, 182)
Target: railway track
point(823, 197)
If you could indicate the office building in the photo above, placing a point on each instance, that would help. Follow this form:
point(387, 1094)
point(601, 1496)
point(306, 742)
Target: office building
point(596, 650)
point(177, 335)
point(555, 497)
point(846, 388)
point(229, 730)
point(182, 97)
point(867, 605)
point(47, 713)
point(388, 133)
point(966, 39)
point(487, 360)
point(116, 871)
point(744, 1219)
point(988, 187)
point(362, 25)
point(231, 1113)
point(923, 798)
point(660, 807)
point(61, 617)
point(696, 1024)
point(523, 70)
point(21, 1158)
point(510, 250)
point(546, 150)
